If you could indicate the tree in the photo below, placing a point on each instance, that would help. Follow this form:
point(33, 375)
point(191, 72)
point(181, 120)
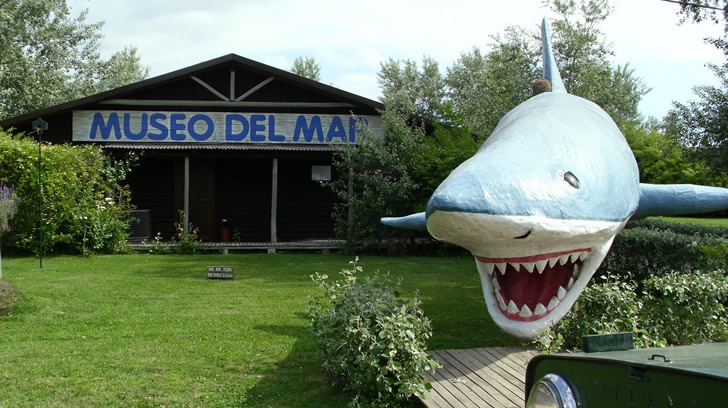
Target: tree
point(307, 68)
point(482, 87)
point(701, 10)
point(376, 179)
point(49, 57)
point(702, 125)
point(410, 90)
point(123, 68)
point(662, 159)
point(582, 55)
point(396, 174)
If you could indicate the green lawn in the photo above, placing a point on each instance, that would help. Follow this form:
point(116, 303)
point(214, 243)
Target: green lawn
point(707, 222)
point(152, 331)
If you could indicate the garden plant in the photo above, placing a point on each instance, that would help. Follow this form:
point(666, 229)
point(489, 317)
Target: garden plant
point(371, 342)
point(664, 282)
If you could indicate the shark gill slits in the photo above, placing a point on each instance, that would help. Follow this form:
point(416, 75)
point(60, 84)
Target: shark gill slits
point(524, 235)
point(570, 178)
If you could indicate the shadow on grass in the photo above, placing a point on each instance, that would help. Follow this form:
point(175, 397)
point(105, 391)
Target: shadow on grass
point(298, 380)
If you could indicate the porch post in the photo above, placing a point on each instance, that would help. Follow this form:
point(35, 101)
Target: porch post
point(274, 206)
point(186, 221)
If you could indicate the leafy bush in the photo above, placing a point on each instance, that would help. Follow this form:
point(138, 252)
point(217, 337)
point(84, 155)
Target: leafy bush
point(687, 308)
point(646, 252)
point(680, 228)
point(78, 182)
point(651, 284)
point(609, 306)
point(675, 308)
point(372, 343)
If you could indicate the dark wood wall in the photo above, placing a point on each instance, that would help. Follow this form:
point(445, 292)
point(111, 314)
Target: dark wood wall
point(152, 185)
point(243, 196)
point(304, 205)
point(238, 188)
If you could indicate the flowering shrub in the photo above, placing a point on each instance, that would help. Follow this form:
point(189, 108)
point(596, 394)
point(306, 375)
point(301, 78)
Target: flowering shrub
point(77, 182)
point(372, 343)
point(8, 207)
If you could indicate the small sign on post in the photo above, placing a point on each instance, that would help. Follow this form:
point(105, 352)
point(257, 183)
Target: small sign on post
point(220, 272)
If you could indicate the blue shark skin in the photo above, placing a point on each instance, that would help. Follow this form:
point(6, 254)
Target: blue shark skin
point(541, 202)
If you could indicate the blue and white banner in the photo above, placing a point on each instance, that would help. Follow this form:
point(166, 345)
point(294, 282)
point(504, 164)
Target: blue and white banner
point(220, 127)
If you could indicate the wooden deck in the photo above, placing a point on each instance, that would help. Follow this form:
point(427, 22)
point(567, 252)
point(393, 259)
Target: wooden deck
point(485, 377)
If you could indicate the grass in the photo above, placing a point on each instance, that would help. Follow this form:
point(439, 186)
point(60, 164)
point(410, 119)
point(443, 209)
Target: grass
point(152, 331)
point(706, 222)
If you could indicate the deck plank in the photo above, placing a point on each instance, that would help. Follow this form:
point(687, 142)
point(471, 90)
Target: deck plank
point(496, 378)
point(510, 372)
point(458, 385)
point(484, 377)
point(488, 385)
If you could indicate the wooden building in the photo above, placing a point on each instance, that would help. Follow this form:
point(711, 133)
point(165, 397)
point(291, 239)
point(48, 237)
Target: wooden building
point(228, 139)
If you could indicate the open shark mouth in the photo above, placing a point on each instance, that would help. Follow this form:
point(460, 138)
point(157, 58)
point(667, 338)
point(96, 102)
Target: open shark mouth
point(529, 288)
point(532, 268)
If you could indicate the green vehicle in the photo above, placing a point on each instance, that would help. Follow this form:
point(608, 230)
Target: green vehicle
point(693, 376)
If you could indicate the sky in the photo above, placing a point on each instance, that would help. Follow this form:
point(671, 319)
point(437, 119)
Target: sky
point(350, 39)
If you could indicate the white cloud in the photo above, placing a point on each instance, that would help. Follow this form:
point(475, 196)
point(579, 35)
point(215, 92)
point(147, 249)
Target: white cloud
point(350, 39)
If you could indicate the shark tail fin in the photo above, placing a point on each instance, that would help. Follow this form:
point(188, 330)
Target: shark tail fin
point(416, 221)
point(550, 70)
point(679, 199)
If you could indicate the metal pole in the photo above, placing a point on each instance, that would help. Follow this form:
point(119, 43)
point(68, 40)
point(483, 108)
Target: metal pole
point(40, 125)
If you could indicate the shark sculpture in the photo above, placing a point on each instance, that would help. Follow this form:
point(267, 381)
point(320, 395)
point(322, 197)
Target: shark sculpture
point(542, 200)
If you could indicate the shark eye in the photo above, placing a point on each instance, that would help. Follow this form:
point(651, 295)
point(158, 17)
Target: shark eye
point(570, 178)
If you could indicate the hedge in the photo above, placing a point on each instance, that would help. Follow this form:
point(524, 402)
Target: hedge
point(83, 204)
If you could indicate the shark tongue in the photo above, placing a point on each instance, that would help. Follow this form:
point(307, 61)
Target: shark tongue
point(533, 288)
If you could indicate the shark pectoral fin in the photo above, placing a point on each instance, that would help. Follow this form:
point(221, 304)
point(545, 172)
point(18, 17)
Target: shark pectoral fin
point(680, 199)
point(416, 221)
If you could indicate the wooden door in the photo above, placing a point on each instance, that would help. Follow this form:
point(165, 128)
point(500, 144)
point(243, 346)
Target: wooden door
point(202, 198)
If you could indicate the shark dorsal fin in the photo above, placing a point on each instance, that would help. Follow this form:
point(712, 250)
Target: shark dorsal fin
point(550, 70)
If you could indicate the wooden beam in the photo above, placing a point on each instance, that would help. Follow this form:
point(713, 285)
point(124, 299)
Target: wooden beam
point(232, 84)
point(186, 221)
point(230, 104)
point(254, 89)
point(274, 204)
point(210, 88)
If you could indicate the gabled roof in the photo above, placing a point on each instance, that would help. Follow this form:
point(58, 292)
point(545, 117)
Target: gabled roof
point(251, 89)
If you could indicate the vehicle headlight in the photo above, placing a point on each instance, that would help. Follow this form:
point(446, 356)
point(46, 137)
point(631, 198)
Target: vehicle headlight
point(551, 391)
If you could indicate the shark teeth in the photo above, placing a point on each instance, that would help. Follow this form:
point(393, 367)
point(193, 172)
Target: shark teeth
point(539, 265)
point(502, 267)
point(524, 311)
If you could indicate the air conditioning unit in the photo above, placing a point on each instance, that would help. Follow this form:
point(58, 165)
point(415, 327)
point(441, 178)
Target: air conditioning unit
point(140, 227)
